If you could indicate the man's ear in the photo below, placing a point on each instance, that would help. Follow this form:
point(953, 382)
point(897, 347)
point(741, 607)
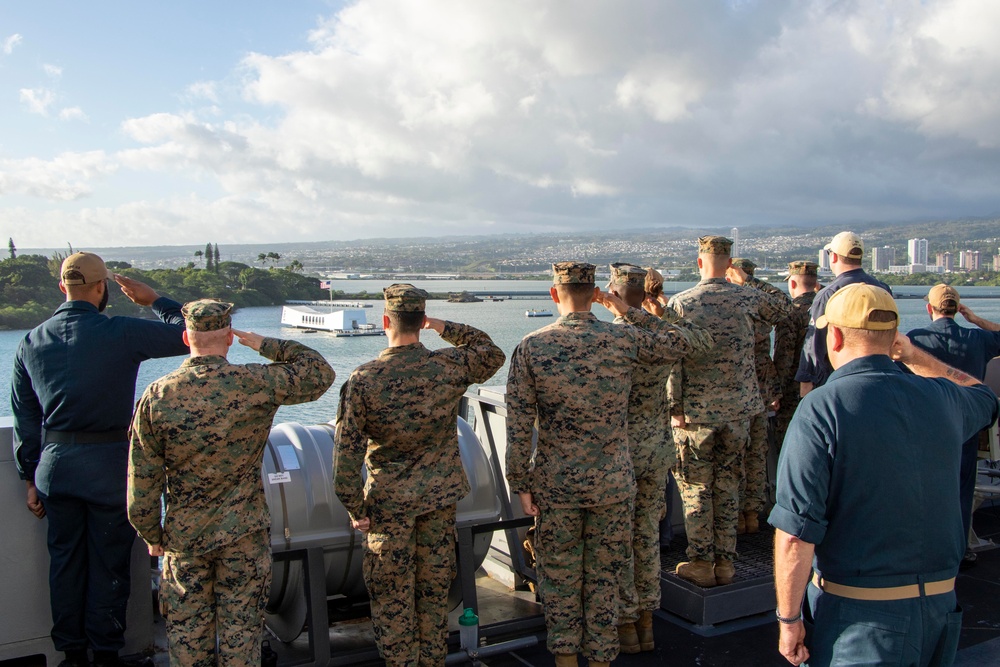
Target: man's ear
point(837, 337)
point(930, 310)
point(554, 294)
point(699, 262)
point(792, 284)
point(184, 337)
point(62, 288)
point(385, 321)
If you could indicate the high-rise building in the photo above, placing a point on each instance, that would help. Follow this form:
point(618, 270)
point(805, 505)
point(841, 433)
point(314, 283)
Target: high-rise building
point(996, 261)
point(945, 261)
point(824, 259)
point(917, 251)
point(973, 260)
point(735, 234)
point(883, 258)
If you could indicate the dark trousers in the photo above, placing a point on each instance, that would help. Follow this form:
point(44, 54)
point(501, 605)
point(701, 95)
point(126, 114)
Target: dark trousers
point(967, 483)
point(90, 543)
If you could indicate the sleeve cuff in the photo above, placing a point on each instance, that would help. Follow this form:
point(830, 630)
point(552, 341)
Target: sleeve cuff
point(793, 524)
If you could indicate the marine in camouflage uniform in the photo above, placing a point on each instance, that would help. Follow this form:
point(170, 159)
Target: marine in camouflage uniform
point(789, 336)
point(753, 486)
point(712, 397)
point(199, 433)
point(572, 380)
point(398, 415)
point(652, 452)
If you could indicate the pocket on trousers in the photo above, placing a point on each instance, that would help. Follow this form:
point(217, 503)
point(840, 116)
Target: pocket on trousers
point(862, 636)
point(947, 647)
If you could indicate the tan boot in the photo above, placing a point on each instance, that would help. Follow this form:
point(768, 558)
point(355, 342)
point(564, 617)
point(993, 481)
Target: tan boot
point(752, 524)
point(566, 660)
point(644, 628)
point(594, 663)
point(700, 572)
point(628, 640)
point(741, 524)
point(724, 571)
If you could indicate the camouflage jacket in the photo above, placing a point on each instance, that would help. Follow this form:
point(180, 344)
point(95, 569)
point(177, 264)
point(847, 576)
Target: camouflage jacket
point(767, 378)
point(721, 385)
point(789, 335)
point(572, 380)
point(198, 435)
point(398, 415)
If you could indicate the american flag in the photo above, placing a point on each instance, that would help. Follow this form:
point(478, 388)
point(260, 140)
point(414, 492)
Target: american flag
point(326, 284)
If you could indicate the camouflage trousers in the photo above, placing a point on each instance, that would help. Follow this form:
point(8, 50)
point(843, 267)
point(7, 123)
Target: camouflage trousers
point(581, 552)
point(639, 581)
point(709, 467)
point(409, 563)
point(221, 593)
point(753, 484)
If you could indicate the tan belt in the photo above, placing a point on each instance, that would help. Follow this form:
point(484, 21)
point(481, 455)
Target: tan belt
point(891, 593)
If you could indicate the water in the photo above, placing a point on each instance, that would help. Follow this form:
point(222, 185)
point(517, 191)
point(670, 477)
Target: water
point(504, 321)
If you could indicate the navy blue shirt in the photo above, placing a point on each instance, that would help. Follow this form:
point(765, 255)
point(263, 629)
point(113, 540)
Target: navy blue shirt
point(76, 372)
point(868, 473)
point(968, 350)
point(814, 365)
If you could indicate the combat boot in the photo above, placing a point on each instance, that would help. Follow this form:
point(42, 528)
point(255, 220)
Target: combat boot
point(752, 523)
point(644, 628)
point(724, 571)
point(595, 663)
point(741, 523)
point(700, 572)
point(566, 660)
point(628, 640)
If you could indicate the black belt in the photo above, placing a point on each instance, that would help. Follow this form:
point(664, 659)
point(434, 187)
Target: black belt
point(86, 438)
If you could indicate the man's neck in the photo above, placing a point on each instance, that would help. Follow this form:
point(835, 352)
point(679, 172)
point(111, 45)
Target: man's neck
point(209, 351)
point(399, 340)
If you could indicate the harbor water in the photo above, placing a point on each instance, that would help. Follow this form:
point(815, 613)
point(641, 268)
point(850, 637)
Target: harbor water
point(504, 321)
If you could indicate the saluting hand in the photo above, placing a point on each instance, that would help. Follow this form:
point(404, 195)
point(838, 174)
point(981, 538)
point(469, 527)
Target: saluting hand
point(138, 292)
point(434, 323)
point(612, 302)
point(902, 348)
point(248, 338)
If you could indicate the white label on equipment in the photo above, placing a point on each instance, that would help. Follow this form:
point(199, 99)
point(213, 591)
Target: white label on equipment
point(289, 461)
point(279, 477)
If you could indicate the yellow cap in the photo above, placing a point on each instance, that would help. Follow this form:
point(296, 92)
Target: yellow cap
point(851, 306)
point(847, 244)
point(942, 293)
point(83, 268)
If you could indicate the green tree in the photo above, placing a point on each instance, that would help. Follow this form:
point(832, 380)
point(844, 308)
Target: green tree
point(273, 257)
point(262, 258)
point(216, 257)
point(198, 254)
point(295, 266)
point(11, 248)
point(209, 264)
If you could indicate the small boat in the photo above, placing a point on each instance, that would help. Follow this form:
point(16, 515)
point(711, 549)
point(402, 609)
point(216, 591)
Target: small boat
point(344, 323)
point(535, 312)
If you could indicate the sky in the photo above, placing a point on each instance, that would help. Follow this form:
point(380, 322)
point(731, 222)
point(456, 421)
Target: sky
point(252, 121)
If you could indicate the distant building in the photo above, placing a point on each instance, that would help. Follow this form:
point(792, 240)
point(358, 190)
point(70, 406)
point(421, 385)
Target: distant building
point(996, 261)
point(883, 258)
point(735, 233)
point(945, 261)
point(916, 268)
point(917, 251)
point(824, 259)
point(971, 260)
point(901, 269)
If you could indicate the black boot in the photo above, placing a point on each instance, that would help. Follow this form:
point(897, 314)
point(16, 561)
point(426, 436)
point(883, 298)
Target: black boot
point(75, 658)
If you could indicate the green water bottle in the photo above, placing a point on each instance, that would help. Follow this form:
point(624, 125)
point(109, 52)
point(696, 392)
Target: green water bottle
point(468, 629)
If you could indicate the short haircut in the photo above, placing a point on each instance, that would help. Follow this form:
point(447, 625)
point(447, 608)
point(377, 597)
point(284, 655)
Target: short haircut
point(864, 337)
point(577, 293)
point(207, 338)
point(948, 308)
point(850, 261)
point(807, 280)
point(716, 262)
point(630, 294)
point(406, 322)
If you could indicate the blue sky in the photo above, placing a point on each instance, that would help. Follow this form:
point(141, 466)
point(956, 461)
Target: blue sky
point(133, 123)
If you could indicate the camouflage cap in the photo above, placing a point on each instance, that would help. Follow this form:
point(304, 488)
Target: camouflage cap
point(802, 268)
point(207, 315)
point(83, 268)
point(568, 273)
point(940, 294)
point(627, 274)
point(744, 265)
point(714, 245)
point(405, 298)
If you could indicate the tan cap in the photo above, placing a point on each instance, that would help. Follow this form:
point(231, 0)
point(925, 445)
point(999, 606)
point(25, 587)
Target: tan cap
point(847, 244)
point(570, 273)
point(714, 245)
point(627, 274)
point(207, 315)
point(83, 268)
point(850, 307)
point(744, 265)
point(802, 268)
point(405, 298)
point(940, 294)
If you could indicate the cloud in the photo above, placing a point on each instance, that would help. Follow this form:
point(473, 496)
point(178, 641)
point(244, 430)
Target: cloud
point(401, 118)
point(53, 71)
point(37, 100)
point(10, 43)
point(72, 113)
point(67, 177)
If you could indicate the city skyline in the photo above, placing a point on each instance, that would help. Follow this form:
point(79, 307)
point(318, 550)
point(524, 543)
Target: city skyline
point(330, 120)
